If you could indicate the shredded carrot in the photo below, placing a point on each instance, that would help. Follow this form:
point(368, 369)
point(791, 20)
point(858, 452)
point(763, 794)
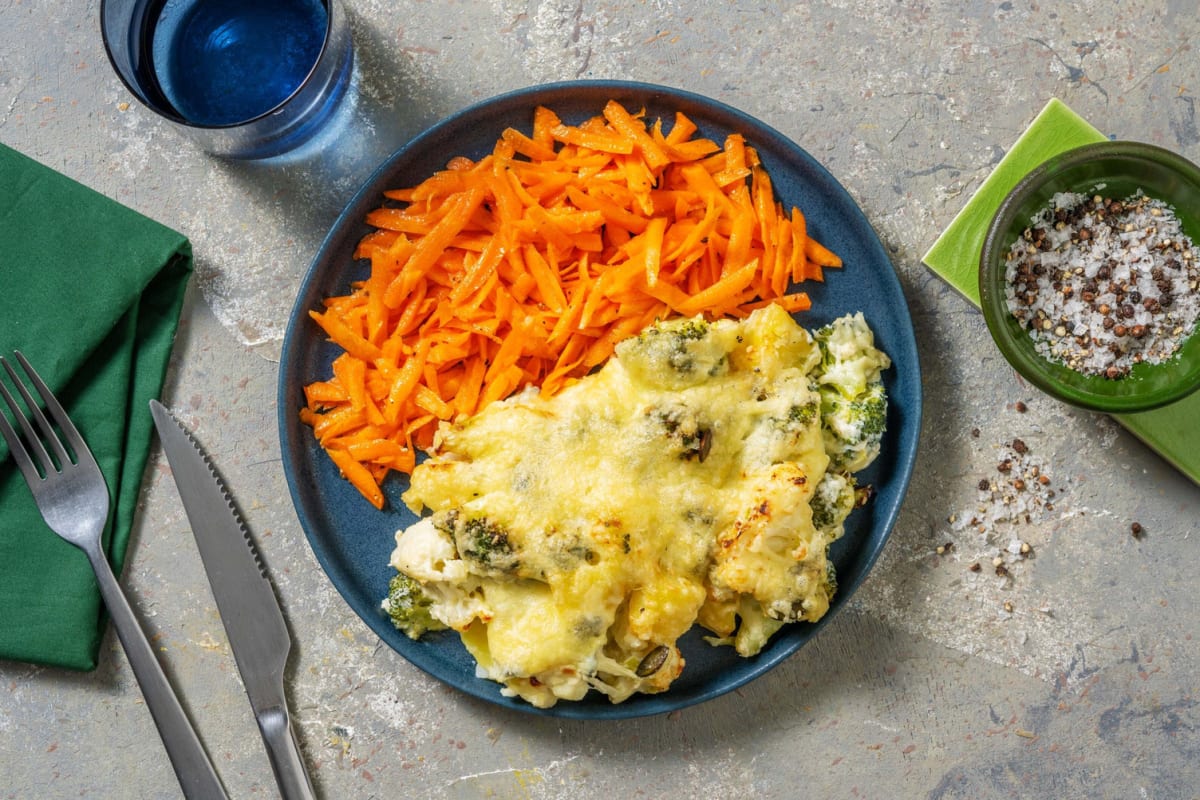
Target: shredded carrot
point(528, 266)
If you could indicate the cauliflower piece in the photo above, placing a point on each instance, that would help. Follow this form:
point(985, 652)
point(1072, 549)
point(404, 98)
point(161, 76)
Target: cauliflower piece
point(772, 552)
point(426, 554)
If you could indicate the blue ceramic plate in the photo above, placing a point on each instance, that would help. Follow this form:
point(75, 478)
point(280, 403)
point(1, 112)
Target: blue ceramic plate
point(353, 541)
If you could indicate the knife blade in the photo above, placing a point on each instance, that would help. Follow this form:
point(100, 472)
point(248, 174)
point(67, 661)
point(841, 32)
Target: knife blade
point(249, 609)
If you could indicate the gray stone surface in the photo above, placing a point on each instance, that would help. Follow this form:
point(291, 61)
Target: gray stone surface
point(925, 686)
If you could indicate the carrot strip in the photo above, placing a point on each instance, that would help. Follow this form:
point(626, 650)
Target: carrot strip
point(358, 475)
point(528, 147)
point(682, 130)
point(720, 293)
point(794, 235)
point(819, 254)
point(320, 392)
point(547, 281)
point(344, 337)
point(544, 123)
point(653, 253)
point(799, 301)
point(405, 381)
point(624, 122)
point(591, 139)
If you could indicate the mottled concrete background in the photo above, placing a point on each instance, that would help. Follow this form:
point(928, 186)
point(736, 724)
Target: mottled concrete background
point(926, 686)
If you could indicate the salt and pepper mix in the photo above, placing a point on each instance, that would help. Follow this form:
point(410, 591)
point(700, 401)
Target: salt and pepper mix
point(1103, 284)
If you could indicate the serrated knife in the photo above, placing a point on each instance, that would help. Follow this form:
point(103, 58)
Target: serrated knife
point(245, 598)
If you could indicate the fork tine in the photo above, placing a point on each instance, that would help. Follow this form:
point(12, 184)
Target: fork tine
point(79, 450)
point(19, 453)
point(36, 446)
point(30, 453)
point(52, 405)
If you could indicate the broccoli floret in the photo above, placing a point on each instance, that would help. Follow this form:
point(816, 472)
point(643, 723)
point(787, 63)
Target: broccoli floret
point(853, 400)
point(684, 430)
point(486, 543)
point(678, 353)
point(695, 328)
point(832, 502)
point(853, 427)
point(850, 362)
point(831, 581)
point(871, 410)
point(673, 342)
point(799, 417)
point(802, 414)
point(408, 607)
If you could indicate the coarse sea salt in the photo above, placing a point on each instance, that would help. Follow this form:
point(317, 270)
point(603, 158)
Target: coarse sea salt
point(1104, 284)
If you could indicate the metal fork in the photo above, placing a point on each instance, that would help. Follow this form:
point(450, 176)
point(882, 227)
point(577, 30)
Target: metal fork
point(72, 496)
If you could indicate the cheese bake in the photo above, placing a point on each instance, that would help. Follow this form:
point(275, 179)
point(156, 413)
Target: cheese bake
point(699, 476)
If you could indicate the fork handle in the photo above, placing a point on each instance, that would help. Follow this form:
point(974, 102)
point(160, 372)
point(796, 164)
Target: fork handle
point(197, 776)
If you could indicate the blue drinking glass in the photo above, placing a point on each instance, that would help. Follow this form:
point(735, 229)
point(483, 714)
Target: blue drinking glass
point(246, 79)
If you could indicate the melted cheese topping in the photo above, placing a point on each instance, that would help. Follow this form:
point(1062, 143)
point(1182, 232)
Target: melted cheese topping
point(574, 539)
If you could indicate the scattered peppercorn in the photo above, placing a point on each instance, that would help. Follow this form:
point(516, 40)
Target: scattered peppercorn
point(1136, 530)
point(1018, 494)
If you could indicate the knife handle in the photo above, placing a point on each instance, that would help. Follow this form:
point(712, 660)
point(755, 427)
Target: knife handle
point(197, 776)
point(284, 752)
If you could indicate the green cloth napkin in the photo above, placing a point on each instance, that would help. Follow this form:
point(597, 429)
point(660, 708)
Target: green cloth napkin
point(91, 294)
point(1172, 430)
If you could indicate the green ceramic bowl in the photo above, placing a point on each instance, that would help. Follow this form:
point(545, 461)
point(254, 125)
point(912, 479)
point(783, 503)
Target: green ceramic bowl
point(1120, 168)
